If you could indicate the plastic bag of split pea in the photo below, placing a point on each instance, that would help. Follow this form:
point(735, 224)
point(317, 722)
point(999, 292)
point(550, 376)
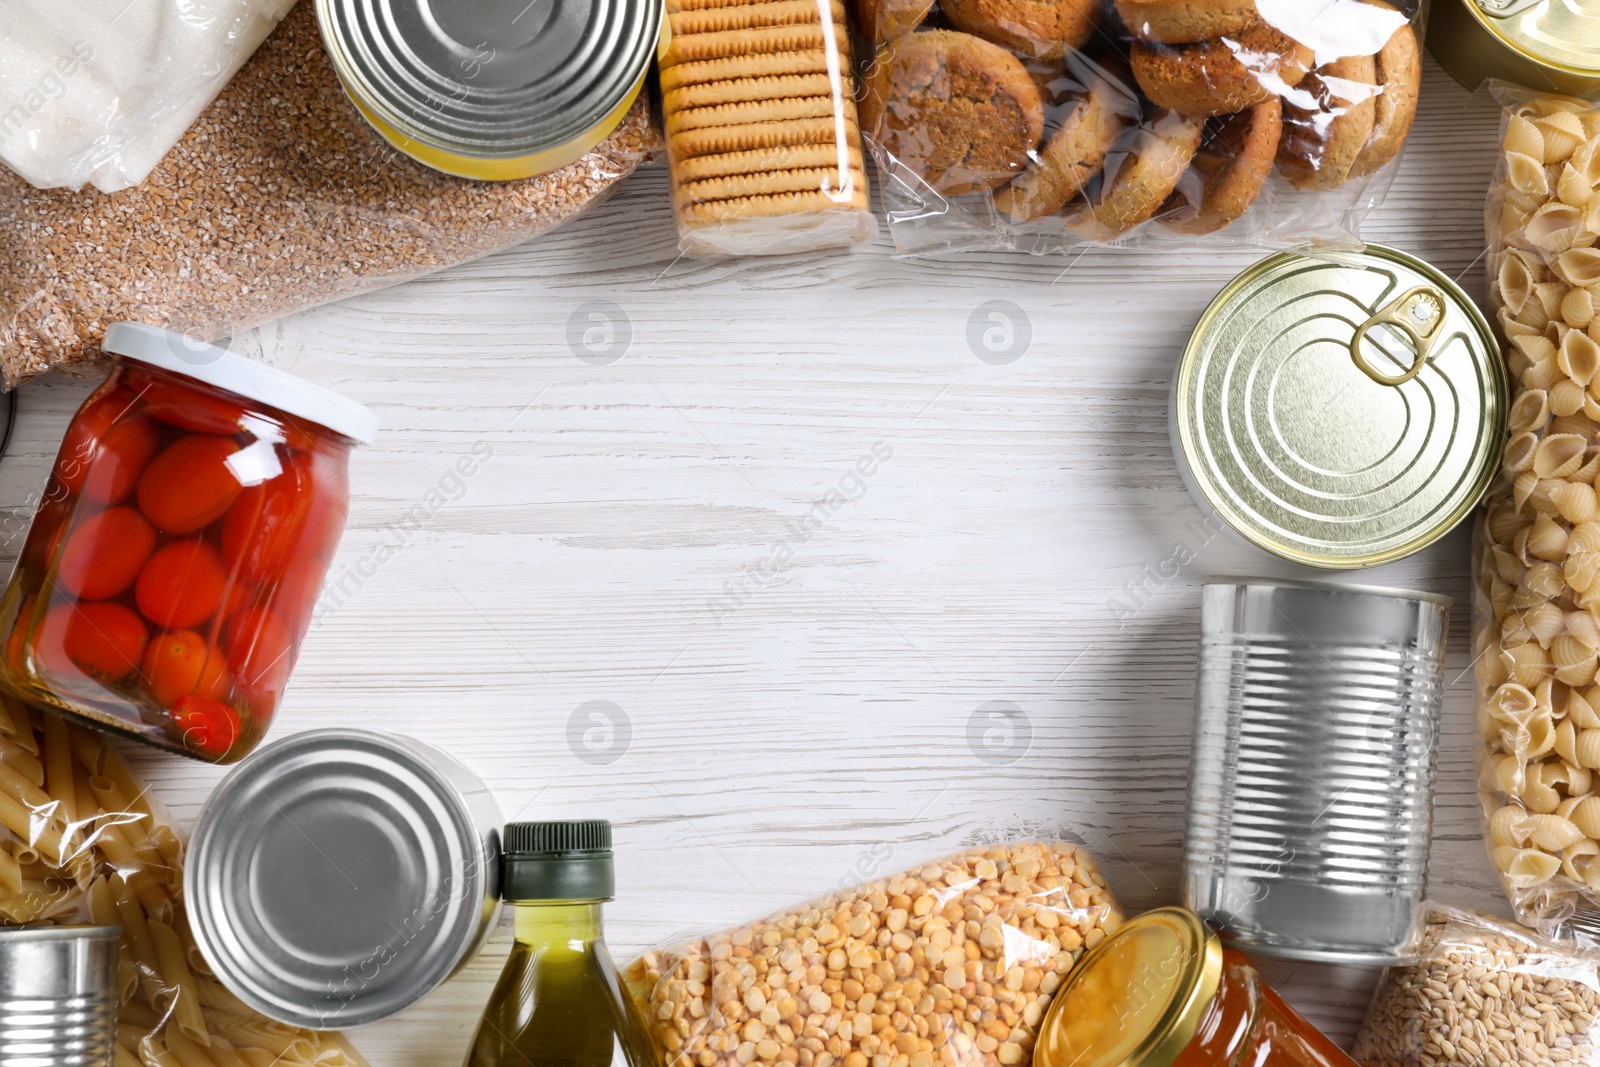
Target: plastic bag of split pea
point(952, 963)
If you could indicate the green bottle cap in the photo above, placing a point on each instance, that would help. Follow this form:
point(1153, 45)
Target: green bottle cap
point(557, 861)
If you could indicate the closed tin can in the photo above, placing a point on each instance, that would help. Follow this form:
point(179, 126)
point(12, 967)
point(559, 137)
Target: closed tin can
point(1311, 787)
point(338, 877)
point(58, 996)
point(494, 91)
point(1339, 412)
point(1547, 45)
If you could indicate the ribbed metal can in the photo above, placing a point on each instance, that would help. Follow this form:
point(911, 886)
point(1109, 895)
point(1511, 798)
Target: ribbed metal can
point(1311, 791)
point(58, 996)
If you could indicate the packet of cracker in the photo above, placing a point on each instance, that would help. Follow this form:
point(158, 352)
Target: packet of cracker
point(763, 143)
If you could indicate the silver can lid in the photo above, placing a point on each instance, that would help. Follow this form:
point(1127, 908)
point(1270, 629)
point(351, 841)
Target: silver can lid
point(488, 79)
point(339, 876)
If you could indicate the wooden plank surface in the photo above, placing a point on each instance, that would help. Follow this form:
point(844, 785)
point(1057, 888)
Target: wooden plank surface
point(792, 690)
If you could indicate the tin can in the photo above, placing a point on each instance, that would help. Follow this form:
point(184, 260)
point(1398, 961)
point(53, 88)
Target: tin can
point(338, 877)
point(1311, 787)
point(58, 996)
point(1547, 45)
point(1341, 411)
point(494, 91)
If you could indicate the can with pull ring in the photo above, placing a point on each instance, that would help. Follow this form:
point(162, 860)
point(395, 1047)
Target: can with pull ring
point(1546, 45)
point(1341, 411)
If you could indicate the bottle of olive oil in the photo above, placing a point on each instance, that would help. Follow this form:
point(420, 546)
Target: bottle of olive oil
point(559, 1002)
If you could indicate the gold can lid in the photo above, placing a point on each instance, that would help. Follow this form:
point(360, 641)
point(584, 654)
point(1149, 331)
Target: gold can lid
point(1340, 411)
point(1564, 34)
point(1137, 998)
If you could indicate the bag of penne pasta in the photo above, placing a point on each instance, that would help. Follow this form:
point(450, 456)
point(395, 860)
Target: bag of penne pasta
point(80, 842)
point(1537, 544)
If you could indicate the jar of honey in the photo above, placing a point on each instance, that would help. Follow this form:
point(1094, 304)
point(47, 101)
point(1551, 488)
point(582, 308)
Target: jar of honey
point(1163, 992)
point(180, 544)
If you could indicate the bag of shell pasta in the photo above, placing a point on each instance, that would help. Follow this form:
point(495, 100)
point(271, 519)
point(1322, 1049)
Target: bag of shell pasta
point(1537, 546)
point(1484, 991)
point(952, 963)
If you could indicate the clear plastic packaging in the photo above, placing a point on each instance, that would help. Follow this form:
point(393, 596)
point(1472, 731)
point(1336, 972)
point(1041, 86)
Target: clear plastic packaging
point(951, 963)
point(763, 140)
point(1484, 991)
point(280, 197)
point(1014, 124)
point(100, 90)
point(1536, 549)
point(81, 842)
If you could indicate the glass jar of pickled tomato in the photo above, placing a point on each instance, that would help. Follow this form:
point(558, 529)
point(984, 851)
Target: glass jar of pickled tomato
point(1163, 992)
point(170, 572)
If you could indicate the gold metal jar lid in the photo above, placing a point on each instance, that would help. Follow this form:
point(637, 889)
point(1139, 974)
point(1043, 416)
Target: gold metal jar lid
point(1542, 44)
point(1137, 998)
point(1340, 412)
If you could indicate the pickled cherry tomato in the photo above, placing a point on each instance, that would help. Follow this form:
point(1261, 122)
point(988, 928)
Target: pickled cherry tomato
point(89, 427)
point(331, 510)
point(295, 598)
point(300, 435)
point(190, 409)
point(179, 664)
point(124, 452)
point(189, 485)
point(181, 585)
point(207, 725)
point(260, 650)
point(103, 555)
point(103, 640)
point(238, 595)
point(265, 526)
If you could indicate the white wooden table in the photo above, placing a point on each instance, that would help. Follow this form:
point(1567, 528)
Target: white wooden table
point(812, 726)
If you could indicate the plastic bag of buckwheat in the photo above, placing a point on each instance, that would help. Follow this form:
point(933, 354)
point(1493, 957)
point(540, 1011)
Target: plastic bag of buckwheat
point(280, 197)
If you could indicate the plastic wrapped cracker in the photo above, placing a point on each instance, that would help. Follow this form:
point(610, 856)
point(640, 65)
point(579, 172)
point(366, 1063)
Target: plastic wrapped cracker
point(763, 142)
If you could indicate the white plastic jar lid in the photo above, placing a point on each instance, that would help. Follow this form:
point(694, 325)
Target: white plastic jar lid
point(217, 366)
